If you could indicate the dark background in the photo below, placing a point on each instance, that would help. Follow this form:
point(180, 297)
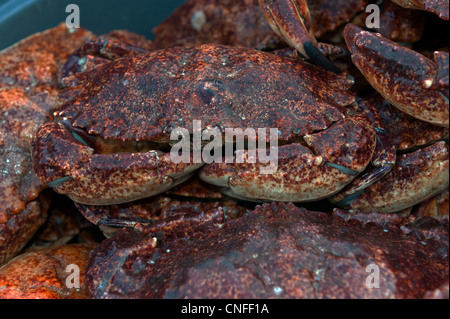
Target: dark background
point(21, 18)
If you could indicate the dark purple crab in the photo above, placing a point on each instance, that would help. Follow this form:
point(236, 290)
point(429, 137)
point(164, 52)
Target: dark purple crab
point(276, 251)
point(28, 95)
point(108, 141)
point(439, 7)
point(421, 169)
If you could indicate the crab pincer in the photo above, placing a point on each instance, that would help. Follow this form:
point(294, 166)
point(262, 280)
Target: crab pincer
point(291, 20)
point(407, 79)
point(97, 174)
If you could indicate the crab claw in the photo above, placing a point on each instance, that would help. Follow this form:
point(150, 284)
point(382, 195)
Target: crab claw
point(65, 162)
point(407, 79)
point(291, 20)
point(439, 7)
point(334, 158)
point(416, 177)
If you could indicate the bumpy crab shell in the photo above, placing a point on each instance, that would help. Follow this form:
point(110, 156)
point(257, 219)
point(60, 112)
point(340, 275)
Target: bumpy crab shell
point(43, 273)
point(276, 251)
point(234, 23)
point(439, 7)
point(242, 23)
point(28, 95)
point(143, 98)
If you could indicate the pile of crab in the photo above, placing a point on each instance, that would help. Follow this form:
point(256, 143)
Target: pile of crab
point(361, 116)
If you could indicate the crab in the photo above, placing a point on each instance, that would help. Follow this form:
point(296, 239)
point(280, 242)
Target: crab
point(242, 23)
point(98, 153)
point(28, 95)
point(416, 86)
point(421, 169)
point(277, 250)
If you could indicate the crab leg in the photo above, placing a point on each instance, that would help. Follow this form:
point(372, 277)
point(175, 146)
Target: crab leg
point(291, 20)
point(66, 163)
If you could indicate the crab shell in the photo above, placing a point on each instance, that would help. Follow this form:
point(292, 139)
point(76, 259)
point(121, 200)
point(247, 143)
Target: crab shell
point(439, 7)
point(277, 250)
point(143, 98)
point(28, 96)
point(242, 23)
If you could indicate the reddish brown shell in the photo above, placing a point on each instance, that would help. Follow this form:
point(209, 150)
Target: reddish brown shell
point(229, 22)
point(301, 174)
point(276, 251)
point(145, 97)
point(416, 177)
point(28, 95)
point(406, 132)
point(440, 7)
point(328, 15)
point(42, 273)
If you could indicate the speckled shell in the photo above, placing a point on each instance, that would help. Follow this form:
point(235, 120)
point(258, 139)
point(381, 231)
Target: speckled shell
point(328, 15)
point(43, 273)
point(302, 174)
point(102, 179)
point(440, 7)
point(229, 22)
point(416, 177)
point(276, 251)
point(144, 98)
point(407, 79)
point(28, 95)
point(406, 132)
point(400, 24)
point(192, 196)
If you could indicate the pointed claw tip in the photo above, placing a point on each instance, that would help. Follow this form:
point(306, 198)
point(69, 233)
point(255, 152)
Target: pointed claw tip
point(351, 31)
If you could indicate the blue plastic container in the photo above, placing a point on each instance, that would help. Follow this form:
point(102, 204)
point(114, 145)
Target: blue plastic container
point(21, 18)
